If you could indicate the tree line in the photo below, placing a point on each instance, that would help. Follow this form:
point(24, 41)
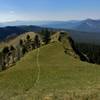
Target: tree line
point(11, 54)
point(91, 50)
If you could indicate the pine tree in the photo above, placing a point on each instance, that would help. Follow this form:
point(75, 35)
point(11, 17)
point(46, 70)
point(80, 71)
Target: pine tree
point(21, 42)
point(28, 37)
point(47, 36)
point(37, 41)
point(12, 50)
point(5, 52)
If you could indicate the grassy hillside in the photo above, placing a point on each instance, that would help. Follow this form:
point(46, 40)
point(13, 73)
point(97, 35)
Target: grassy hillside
point(50, 74)
point(15, 41)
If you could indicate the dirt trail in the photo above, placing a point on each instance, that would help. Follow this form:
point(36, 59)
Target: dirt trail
point(38, 67)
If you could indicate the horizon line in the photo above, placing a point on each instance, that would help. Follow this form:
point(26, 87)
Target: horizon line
point(50, 20)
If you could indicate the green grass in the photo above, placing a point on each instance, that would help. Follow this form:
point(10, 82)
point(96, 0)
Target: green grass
point(62, 77)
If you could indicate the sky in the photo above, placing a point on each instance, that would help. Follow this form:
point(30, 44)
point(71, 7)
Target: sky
point(58, 10)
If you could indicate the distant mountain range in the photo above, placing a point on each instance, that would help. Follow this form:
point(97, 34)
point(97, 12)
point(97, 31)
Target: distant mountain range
point(81, 31)
point(88, 25)
point(10, 32)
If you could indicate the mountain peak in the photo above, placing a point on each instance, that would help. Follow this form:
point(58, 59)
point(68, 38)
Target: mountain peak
point(89, 20)
point(92, 20)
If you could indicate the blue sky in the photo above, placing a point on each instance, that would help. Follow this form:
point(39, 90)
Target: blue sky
point(11, 10)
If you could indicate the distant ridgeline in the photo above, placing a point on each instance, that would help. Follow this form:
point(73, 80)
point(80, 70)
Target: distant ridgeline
point(13, 31)
point(78, 36)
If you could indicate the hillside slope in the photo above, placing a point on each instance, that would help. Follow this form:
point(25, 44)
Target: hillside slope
point(15, 41)
point(50, 74)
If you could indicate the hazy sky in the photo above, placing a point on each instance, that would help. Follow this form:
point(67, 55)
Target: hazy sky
point(11, 10)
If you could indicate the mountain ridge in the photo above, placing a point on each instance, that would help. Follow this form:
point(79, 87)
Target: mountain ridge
point(87, 25)
point(58, 76)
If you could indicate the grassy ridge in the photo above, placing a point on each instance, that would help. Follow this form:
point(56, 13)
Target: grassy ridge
point(61, 77)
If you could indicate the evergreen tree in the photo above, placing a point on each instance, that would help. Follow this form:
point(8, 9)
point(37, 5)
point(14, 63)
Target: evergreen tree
point(59, 39)
point(19, 49)
point(28, 37)
point(1, 60)
point(28, 43)
point(21, 42)
point(24, 50)
point(47, 36)
point(37, 41)
point(12, 50)
point(5, 52)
